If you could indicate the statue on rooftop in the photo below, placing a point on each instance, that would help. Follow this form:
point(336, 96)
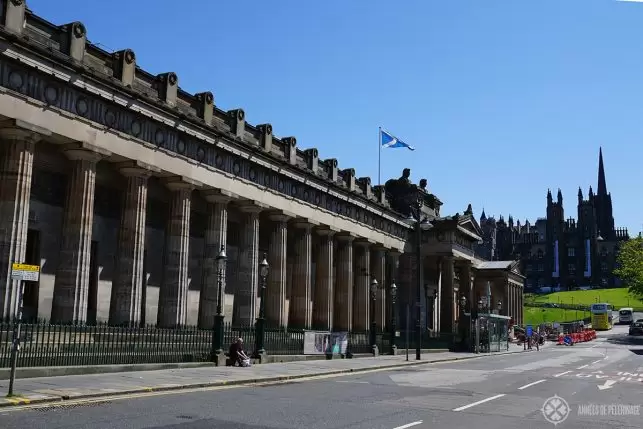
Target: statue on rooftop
point(402, 192)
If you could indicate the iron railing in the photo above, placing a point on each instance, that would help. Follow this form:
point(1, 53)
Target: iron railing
point(44, 344)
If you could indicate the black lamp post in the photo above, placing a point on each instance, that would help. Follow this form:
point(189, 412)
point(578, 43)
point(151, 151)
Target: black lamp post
point(393, 293)
point(373, 333)
point(463, 303)
point(217, 331)
point(261, 320)
point(499, 306)
point(420, 223)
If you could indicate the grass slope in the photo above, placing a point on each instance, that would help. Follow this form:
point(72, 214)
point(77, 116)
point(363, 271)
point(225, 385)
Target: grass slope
point(538, 315)
point(617, 297)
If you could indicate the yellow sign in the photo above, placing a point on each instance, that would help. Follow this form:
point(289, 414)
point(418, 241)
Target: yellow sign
point(25, 267)
point(25, 272)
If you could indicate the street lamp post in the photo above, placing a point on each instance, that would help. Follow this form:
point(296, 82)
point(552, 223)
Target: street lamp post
point(217, 332)
point(499, 306)
point(373, 333)
point(393, 292)
point(420, 221)
point(260, 326)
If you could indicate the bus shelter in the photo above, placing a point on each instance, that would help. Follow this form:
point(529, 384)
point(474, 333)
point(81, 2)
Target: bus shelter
point(487, 333)
point(490, 333)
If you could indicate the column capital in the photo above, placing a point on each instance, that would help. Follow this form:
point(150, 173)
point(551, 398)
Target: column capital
point(218, 196)
point(280, 215)
point(13, 129)
point(176, 183)
point(304, 223)
point(363, 242)
point(326, 230)
point(136, 169)
point(251, 206)
point(393, 253)
point(345, 237)
point(83, 151)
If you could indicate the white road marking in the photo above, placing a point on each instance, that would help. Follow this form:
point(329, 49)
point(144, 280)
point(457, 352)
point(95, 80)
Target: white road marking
point(583, 366)
point(562, 373)
point(355, 382)
point(410, 425)
point(596, 361)
point(531, 384)
point(464, 407)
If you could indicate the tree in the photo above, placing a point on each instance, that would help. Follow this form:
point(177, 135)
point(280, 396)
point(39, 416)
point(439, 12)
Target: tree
point(630, 265)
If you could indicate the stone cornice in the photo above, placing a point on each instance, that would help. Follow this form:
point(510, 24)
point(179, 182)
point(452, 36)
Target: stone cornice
point(72, 86)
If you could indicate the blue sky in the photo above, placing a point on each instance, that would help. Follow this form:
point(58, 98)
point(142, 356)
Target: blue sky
point(501, 98)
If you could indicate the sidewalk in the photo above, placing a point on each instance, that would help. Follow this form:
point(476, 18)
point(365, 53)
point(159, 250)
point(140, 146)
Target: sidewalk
point(56, 389)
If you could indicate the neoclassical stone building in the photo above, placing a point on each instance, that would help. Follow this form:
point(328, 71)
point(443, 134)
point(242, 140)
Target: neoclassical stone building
point(124, 187)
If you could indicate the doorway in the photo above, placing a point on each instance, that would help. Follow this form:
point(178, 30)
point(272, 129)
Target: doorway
point(31, 289)
point(92, 293)
point(144, 289)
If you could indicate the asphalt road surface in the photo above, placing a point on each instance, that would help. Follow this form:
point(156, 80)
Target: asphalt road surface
point(558, 383)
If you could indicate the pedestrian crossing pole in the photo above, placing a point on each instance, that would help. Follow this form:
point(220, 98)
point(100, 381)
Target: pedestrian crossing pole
point(20, 273)
point(17, 326)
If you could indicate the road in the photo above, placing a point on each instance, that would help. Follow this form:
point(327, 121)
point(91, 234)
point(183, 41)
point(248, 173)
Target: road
point(507, 391)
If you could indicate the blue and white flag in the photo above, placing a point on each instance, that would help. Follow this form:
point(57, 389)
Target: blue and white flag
point(388, 140)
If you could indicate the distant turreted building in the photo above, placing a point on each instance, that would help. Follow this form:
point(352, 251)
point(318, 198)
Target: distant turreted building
point(557, 251)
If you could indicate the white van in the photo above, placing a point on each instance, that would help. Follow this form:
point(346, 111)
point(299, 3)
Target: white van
point(626, 316)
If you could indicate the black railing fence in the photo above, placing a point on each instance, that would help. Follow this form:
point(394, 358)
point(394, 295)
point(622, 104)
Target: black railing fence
point(45, 344)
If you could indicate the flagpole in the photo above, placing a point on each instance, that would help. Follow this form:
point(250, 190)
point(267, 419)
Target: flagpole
point(379, 158)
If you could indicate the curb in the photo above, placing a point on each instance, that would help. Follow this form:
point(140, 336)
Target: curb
point(18, 401)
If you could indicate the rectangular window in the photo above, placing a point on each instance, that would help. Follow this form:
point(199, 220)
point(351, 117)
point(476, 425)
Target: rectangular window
point(571, 251)
point(571, 268)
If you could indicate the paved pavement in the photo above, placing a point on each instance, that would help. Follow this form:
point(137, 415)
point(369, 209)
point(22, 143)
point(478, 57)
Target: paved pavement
point(504, 391)
point(48, 389)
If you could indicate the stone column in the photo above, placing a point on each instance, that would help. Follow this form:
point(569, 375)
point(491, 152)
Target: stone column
point(438, 297)
point(71, 285)
point(216, 234)
point(324, 281)
point(520, 304)
point(244, 311)
point(16, 163)
point(276, 315)
point(378, 264)
point(125, 303)
point(362, 285)
point(343, 307)
point(514, 302)
point(300, 314)
point(173, 293)
point(446, 297)
point(393, 259)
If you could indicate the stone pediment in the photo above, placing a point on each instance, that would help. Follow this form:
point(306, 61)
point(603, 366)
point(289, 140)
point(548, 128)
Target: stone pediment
point(469, 223)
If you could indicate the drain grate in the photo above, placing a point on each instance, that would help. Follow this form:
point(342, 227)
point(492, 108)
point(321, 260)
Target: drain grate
point(71, 406)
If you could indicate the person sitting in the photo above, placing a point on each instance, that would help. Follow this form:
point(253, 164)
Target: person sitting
point(237, 354)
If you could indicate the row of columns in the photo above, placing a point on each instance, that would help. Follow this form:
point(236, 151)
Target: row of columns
point(341, 303)
point(514, 302)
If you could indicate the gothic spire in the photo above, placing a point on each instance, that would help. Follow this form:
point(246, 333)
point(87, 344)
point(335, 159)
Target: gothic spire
point(602, 186)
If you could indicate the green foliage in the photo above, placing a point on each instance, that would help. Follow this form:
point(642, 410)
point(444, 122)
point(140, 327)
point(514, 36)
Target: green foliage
point(630, 265)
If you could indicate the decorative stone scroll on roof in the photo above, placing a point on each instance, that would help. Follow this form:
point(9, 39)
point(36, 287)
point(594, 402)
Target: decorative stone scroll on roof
point(113, 91)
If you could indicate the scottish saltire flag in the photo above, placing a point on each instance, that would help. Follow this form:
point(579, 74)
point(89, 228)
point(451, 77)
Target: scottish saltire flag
point(388, 140)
